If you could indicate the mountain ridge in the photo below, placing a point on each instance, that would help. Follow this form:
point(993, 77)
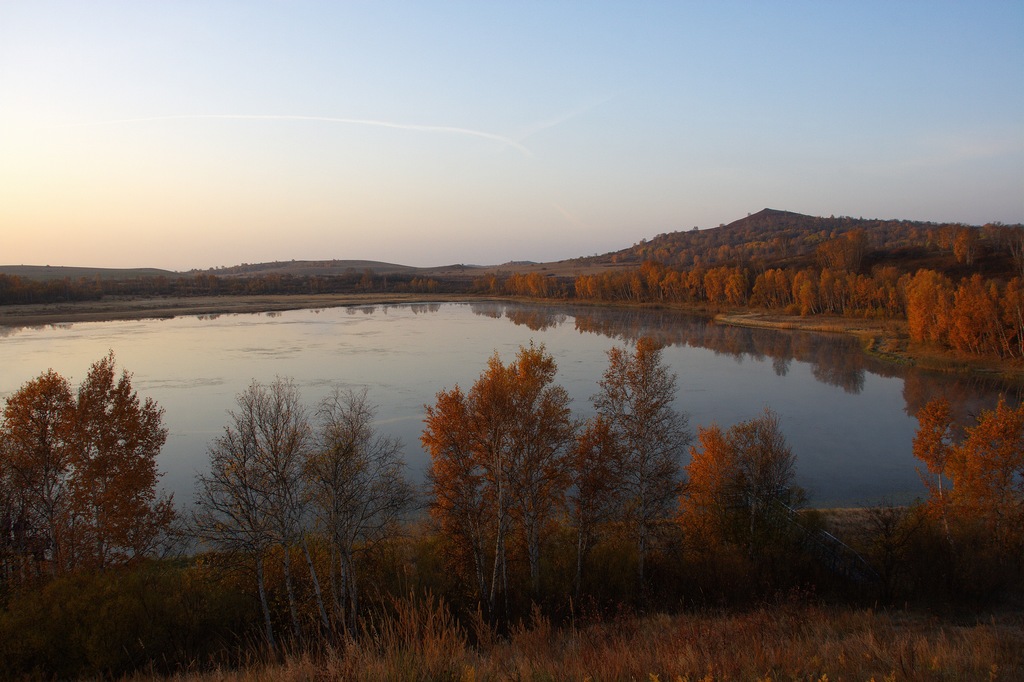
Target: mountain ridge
point(779, 235)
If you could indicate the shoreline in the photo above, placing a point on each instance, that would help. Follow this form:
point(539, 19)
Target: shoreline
point(140, 308)
point(885, 340)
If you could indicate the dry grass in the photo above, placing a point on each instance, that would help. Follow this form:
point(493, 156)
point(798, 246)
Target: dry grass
point(421, 641)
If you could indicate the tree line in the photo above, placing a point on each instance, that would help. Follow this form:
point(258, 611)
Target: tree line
point(958, 287)
point(971, 315)
point(306, 522)
point(15, 290)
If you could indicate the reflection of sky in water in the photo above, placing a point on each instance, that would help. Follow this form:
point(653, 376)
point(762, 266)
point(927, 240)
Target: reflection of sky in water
point(846, 420)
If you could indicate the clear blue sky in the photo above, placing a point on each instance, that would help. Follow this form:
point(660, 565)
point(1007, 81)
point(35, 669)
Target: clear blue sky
point(196, 134)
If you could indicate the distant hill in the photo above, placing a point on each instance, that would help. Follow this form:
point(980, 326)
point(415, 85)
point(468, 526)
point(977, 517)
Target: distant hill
point(46, 273)
point(774, 238)
point(768, 238)
point(308, 268)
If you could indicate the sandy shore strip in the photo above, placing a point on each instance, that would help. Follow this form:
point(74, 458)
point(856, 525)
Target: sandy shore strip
point(843, 325)
point(136, 308)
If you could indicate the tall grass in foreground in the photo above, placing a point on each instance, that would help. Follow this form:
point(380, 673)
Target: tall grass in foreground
point(420, 640)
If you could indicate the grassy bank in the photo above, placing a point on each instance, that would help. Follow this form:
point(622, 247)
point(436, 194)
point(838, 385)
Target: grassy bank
point(886, 340)
point(420, 641)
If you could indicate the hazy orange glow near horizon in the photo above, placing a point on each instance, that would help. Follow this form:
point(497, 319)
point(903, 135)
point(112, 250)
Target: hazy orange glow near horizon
point(187, 136)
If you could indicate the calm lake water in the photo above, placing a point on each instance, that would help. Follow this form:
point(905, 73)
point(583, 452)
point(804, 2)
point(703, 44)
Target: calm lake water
point(847, 417)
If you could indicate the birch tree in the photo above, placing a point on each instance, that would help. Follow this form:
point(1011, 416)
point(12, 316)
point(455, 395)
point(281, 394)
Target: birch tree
point(254, 497)
point(359, 489)
point(637, 400)
point(498, 458)
point(118, 514)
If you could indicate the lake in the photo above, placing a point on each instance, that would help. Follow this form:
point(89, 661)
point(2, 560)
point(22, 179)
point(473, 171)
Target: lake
point(847, 417)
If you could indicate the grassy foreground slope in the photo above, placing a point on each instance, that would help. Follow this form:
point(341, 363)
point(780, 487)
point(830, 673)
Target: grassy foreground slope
point(420, 641)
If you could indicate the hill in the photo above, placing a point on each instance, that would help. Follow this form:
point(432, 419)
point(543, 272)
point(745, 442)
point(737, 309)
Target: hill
point(770, 238)
point(774, 238)
point(311, 268)
point(47, 273)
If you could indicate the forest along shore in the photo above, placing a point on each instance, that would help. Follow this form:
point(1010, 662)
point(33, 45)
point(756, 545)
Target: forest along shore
point(887, 340)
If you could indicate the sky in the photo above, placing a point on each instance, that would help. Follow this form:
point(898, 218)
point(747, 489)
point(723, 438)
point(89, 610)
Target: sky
point(197, 134)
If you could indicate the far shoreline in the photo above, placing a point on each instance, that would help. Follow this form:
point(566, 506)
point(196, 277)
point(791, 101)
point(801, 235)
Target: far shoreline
point(113, 308)
point(885, 340)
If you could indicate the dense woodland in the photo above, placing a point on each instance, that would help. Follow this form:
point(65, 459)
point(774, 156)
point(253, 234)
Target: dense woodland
point(959, 288)
point(307, 541)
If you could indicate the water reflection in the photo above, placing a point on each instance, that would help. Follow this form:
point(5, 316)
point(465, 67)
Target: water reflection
point(835, 359)
point(847, 416)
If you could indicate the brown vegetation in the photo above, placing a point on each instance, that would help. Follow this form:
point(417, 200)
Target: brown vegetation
point(957, 287)
point(310, 570)
point(790, 641)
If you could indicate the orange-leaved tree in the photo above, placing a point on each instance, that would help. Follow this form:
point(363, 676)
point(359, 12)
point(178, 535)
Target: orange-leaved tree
point(78, 473)
point(739, 483)
point(498, 464)
point(35, 472)
point(118, 514)
point(985, 468)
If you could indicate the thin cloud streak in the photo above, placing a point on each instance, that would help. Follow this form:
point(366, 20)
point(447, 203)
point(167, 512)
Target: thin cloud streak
point(559, 120)
point(451, 130)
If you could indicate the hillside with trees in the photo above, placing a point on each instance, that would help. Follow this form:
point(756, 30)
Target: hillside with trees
point(952, 289)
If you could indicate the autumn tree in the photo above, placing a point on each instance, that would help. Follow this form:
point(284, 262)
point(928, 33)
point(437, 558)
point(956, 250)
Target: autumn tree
point(966, 244)
point(544, 432)
point(985, 469)
point(737, 481)
point(709, 493)
point(975, 320)
point(637, 401)
point(35, 475)
point(458, 484)
point(255, 496)
point(845, 252)
point(117, 513)
point(929, 301)
point(498, 463)
point(78, 472)
point(594, 467)
point(359, 490)
point(933, 445)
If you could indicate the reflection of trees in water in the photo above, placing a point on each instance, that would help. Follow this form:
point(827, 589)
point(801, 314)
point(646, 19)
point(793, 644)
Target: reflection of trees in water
point(836, 360)
point(850, 379)
point(968, 395)
point(536, 318)
point(488, 309)
point(781, 365)
point(415, 308)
